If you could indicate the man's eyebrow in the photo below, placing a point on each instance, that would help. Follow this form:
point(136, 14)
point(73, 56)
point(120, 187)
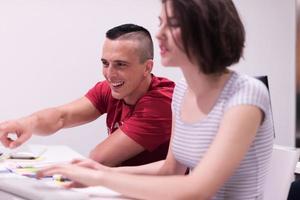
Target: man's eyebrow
point(115, 61)
point(120, 61)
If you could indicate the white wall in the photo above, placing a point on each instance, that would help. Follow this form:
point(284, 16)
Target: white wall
point(50, 54)
point(270, 50)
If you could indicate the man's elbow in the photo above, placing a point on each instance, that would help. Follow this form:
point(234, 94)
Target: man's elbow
point(94, 155)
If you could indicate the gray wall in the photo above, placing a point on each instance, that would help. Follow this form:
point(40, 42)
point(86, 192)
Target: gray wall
point(50, 54)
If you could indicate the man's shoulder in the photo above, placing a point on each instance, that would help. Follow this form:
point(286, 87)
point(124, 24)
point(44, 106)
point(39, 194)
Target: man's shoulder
point(102, 84)
point(159, 92)
point(99, 92)
point(159, 83)
point(101, 87)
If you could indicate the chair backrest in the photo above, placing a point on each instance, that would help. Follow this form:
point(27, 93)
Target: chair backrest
point(281, 173)
point(265, 81)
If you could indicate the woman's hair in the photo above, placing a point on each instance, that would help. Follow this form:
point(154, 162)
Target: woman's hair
point(212, 33)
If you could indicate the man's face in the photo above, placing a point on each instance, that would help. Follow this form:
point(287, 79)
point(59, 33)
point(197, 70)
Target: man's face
point(123, 69)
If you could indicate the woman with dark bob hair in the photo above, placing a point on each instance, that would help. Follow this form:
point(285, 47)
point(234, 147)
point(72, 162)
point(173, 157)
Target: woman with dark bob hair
point(222, 127)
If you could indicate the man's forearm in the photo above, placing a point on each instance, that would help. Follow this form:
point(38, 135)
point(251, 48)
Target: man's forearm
point(45, 122)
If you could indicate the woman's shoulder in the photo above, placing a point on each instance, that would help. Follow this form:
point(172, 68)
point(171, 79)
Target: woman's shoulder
point(245, 89)
point(180, 86)
point(247, 84)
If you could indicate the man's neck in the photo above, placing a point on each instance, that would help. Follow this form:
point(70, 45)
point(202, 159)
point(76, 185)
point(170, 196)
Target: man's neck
point(140, 91)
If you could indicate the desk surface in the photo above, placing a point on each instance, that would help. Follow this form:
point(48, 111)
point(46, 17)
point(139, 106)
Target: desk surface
point(52, 154)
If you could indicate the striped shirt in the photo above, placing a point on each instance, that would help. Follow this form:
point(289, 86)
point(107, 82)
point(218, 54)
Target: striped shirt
point(190, 141)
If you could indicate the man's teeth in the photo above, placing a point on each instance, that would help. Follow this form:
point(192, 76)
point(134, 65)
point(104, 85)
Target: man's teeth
point(116, 84)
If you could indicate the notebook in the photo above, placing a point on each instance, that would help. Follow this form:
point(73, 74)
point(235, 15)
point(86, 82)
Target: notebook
point(26, 152)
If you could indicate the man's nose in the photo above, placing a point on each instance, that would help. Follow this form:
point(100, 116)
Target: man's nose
point(110, 71)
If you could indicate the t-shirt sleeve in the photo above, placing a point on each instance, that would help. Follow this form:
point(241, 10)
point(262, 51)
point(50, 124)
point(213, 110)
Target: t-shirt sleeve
point(99, 96)
point(251, 92)
point(150, 124)
point(179, 87)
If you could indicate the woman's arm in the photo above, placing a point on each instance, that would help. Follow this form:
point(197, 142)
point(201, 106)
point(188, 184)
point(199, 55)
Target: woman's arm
point(221, 159)
point(164, 167)
point(236, 133)
point(147, 169)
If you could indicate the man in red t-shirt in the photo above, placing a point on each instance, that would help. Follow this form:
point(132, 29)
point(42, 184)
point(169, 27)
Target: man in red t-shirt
point(138, 105)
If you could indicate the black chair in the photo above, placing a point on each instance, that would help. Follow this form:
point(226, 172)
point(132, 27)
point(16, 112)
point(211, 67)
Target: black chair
point(264, 79)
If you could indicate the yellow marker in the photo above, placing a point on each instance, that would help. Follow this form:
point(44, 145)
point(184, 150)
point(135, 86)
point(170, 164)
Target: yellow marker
point(60, 178)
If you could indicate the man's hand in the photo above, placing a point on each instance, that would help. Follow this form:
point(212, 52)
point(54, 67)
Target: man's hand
point(17, 127)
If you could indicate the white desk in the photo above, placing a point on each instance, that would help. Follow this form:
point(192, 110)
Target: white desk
point(51, 155)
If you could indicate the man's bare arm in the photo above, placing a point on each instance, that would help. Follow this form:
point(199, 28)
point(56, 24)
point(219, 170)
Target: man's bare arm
point(48, 121)
point(115, 149)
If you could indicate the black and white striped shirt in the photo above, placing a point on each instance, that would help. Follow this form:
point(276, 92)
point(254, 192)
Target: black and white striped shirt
point(190, 141)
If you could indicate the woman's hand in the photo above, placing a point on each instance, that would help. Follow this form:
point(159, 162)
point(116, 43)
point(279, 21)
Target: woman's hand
point(89, 163)
point(80, 176)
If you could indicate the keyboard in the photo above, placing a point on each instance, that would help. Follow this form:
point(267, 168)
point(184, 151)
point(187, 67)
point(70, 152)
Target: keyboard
point(34, 189)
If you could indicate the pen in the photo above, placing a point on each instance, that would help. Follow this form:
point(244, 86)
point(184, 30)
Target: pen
point(60, 178)
point(21, 157)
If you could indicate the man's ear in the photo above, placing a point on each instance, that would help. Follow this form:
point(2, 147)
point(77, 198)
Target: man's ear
point(149, 66)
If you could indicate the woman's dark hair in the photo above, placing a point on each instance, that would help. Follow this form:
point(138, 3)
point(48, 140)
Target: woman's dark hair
point(212, 32)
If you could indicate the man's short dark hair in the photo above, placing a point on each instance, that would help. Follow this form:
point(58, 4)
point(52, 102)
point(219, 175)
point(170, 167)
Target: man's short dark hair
point(212, 33)
point(134, 32)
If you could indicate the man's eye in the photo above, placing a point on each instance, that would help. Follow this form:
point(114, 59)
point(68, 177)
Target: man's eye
point(121, 64)
point(105, 64)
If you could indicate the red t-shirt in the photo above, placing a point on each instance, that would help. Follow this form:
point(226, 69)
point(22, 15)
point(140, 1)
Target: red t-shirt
point(148, 122)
